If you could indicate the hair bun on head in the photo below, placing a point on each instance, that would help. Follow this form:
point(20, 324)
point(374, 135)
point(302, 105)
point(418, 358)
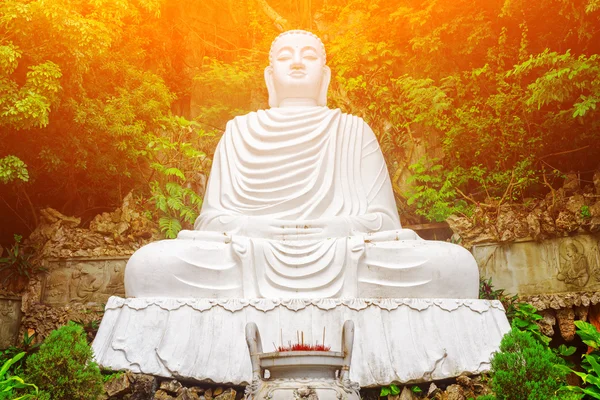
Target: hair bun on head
point(296, 32)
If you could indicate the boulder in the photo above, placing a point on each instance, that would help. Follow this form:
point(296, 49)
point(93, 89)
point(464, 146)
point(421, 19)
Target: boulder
point(455, 392)
point(547, 322)
point(143, 387)
point(406, 394)
point(595, 209)
point(565, 317)
point(566, 222)
point(433, 390)
point(162, 395)
point(575, 203)
point(227, 394)
point(571, 183)
point(465, 382)
point(534, 223)
point(171, 387)
point(117, 386)
point(187, 394)
point(547, 224)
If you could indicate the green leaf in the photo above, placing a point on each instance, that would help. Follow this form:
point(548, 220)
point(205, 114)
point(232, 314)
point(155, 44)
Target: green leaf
point(416, 389)
point(174, 172)
point(565, 351)
point(169, 226)
point(10, 362)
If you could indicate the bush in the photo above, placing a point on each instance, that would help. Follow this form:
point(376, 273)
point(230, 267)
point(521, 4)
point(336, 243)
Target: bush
point(524, 369)
point(63, 366)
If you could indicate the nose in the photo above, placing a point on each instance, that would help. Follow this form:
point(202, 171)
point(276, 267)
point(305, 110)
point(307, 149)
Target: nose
point(297, 61)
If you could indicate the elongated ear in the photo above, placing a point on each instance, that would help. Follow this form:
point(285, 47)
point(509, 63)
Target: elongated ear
point(273, 101)
point(322, 100)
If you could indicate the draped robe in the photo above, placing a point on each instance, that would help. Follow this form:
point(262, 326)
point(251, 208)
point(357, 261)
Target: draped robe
point(290, 165)
point(299, 203)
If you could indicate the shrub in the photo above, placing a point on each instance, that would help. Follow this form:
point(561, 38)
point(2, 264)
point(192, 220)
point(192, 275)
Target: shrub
point(524, 369)
point(63, 366)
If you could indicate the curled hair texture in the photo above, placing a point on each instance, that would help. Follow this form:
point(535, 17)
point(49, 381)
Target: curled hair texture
point(297, 32)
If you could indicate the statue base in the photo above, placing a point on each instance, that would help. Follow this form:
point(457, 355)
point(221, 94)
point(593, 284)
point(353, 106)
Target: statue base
point(396, 340)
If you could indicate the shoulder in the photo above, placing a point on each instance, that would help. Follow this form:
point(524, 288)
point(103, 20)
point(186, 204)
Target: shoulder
point(359, 121)
point(238, 122)
point(361, 126)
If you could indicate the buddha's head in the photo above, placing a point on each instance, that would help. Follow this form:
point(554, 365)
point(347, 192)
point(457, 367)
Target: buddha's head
point(297, 69)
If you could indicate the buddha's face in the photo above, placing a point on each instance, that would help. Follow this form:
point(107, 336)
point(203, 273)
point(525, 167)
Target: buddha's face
point(297, 69)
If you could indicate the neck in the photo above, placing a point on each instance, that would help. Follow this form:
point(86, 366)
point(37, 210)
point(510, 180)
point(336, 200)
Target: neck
point(298, 102)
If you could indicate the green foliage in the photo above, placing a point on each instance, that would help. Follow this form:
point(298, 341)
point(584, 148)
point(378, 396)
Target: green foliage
point(585, 212)
point(77, 99)
point(392, 389)
point(416, 389)
point(178, 165)
point(591, 362)
point(487, 292)
point(485, 90)
point(239, 85)
point(27, 347)
point(13, 169)
point(63, 366)
point(10, 384)
point(525, 369)
point(524, 320)
point(90, 328)
point(17, 263)
point(434, 191)
point(29, 105)
point(110, 375)
point(564, 350)
point(494, 103)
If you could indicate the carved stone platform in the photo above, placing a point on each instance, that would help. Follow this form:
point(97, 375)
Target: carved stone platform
point(396, 340)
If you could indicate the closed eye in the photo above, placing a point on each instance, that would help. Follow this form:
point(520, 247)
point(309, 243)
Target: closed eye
point(284, 54)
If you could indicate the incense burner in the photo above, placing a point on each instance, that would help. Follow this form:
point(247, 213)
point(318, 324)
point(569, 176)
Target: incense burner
point(301, 375)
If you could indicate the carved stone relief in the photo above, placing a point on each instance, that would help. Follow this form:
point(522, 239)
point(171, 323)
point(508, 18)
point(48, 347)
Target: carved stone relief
point(573, 264)
point(552, 266)
point(10, 319)
point(83, 281)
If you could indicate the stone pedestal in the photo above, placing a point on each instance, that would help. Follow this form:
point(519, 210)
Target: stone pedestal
point(396, 340)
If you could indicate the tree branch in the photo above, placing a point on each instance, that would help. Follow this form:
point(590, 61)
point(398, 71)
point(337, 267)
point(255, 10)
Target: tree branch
point(281, 23)
point(564, 152)
point(17, 214)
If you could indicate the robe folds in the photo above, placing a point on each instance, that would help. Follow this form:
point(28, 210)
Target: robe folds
point(298, 165)
point(299, 204)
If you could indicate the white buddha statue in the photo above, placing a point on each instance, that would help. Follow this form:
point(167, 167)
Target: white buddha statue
point(299, 204)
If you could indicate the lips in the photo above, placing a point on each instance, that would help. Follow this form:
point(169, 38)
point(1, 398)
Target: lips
point(297, 74)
